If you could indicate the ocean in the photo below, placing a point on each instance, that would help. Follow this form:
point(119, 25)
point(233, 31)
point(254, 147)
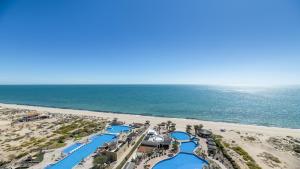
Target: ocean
point(278, 107)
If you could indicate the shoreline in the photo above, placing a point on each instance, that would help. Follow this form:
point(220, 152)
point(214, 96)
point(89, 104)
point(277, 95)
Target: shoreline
point(139, 114)
point(235, 134)
point(127, 117)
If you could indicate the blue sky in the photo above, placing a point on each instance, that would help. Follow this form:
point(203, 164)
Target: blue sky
point(234, 42)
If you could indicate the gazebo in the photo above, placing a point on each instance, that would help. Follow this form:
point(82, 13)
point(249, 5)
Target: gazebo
point(204, 133)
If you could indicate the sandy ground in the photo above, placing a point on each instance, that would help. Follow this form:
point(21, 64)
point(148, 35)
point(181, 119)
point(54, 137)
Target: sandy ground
point(4, 122)
point(234, 132)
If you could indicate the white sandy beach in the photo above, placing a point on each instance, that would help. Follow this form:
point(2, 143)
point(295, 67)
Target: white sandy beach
point(234, 132)
point(181, 123)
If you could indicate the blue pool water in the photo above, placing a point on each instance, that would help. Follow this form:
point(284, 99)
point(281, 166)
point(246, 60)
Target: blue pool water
point(83, 152)
point(71, 148)
point(188, 147)
point(181, 161)
point(180, 135)
point(118, 129)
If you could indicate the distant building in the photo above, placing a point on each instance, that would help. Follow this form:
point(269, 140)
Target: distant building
point(136, 125)
point(30, 116)
point(116, 122)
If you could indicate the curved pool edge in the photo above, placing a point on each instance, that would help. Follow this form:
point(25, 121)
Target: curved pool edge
point(195, 148)
point(110, 130)
point(181, 140)
point(167, 159)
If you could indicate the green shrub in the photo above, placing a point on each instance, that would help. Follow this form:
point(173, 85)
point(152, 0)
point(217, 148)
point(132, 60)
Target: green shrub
point(297, 148)
point(218, 141)
point(242, 153)
point(21, 155)
point(249, 160)
point(55, 145)
point(226, 144)
point(39, 157)
point(100, 160)
point(253, 165)
point(2, 163)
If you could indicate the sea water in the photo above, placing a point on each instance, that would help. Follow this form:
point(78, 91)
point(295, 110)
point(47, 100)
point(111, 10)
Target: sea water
point(260, 106)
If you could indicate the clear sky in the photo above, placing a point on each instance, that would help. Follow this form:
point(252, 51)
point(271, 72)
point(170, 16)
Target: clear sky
point(232, 42)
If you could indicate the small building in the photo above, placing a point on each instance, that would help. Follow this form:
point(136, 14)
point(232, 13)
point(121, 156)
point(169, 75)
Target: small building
point(151, 132)
point(116, 122)
point(204, 133)
point(41, 117)
point(166, 143)
point(212, 143)
point(30, 116)
point(209, 139)
point(112, 145)
point(149, 143)
point(131, 137)
point(211, 149)
point(136, 125)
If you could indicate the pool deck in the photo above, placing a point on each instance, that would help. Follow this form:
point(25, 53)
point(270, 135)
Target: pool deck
point(74, 158)
point(88, 161)
point(53, 155)
point(152, 162)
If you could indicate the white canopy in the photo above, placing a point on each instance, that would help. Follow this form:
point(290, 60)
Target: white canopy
point(151, 131)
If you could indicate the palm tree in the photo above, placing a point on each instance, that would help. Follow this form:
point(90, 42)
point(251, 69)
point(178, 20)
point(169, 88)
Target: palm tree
point(196, 127)
point(200, 126)
point(168, 124)
point(99, 162)
point(147, 122)
point(188, 128)
point(175, 146)
point(158, 129)
point(172, 128)
point(114, 121)
point(163, 124)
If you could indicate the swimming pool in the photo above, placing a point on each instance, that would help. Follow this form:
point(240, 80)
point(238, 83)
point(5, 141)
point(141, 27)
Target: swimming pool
point(180, 135)
point(118, 129)
point(188, 147)
point(181, 161)
point(71, 148)
point(74, 158)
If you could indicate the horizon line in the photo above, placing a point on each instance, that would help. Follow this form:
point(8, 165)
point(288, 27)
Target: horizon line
point(140, 84)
